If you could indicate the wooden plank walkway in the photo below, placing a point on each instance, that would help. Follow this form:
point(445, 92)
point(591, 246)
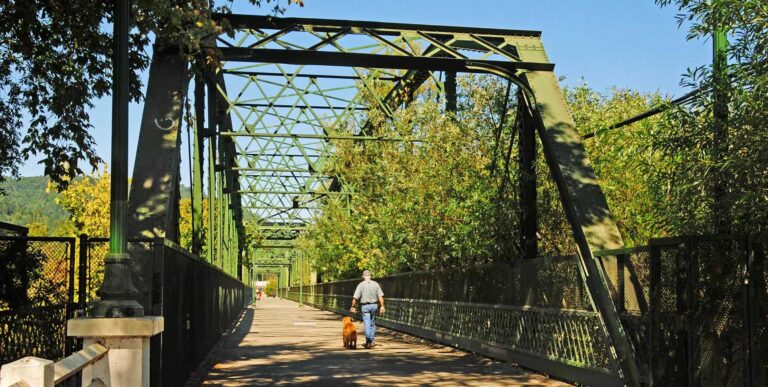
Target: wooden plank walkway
point(279, 343)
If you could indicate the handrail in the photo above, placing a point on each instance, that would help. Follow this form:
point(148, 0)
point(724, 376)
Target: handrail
point(72, 364)
point(516, 308)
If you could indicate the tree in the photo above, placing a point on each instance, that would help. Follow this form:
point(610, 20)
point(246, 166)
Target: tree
point(55, 60)
point(417, 205)
point(622, 158)
point(451, 200)
point(185, 225)
point(37, 229)
point(697, 158)
point(87, 200)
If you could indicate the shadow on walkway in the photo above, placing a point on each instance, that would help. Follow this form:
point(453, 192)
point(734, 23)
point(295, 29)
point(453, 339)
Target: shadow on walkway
point(276, 342)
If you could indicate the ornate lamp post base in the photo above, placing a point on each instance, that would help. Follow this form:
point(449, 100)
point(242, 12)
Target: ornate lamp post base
point(117, 308)
point(117, 292)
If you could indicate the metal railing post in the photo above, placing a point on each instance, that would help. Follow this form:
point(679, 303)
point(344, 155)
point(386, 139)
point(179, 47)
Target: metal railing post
point(82, 284)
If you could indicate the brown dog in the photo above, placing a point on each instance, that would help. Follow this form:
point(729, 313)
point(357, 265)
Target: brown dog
point(348, 333)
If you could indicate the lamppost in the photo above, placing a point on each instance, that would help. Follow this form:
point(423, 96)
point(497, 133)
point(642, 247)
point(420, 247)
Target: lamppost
point(117, 292)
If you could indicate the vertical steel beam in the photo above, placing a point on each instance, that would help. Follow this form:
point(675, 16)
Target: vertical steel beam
point(212, 200)
point(211, 204)
point(231, 215)
point(117, 292)
point(450, 91)
point(197, 168)
point(221, 256)
point(527, 197)
point(721, 206)
point(527, 184)
point(228, 158)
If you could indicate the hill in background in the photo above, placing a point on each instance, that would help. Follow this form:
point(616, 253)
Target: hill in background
point(26, 202)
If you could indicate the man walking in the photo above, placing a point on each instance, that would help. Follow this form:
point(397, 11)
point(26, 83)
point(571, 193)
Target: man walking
point(368, 293)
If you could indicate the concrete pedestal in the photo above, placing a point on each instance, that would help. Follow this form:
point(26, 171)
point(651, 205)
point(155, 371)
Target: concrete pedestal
point(127, 362)
point(29, 371)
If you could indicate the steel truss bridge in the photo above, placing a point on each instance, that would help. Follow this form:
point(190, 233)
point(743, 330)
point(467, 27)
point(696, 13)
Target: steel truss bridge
point(289, 90)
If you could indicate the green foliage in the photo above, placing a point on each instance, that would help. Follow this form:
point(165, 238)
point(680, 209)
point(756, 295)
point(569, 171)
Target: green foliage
point(417, 205)
point(696, 160)
point(271, 287)
point(27, 201)
point(185, 224)
point(88, 202)
point(622, 158)
point(55, 59)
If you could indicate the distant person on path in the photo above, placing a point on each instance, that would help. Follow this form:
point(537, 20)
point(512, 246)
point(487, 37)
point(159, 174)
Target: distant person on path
point(368, 293)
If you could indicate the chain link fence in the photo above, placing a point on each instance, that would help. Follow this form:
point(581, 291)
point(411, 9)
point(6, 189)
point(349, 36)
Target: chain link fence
point(43, 281)
point(36, 296)
point(708, 316)
point(96, 249)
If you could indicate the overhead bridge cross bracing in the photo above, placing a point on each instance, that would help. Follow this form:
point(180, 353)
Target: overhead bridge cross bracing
point(295, 87)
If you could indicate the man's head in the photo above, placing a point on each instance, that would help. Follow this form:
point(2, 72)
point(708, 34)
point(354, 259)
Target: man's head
point(367, 275)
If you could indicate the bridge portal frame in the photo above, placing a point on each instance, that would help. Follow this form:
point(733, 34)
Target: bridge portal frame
point(542, 110)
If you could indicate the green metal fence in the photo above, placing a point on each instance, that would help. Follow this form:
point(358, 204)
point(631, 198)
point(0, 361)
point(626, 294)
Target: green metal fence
point(199, 302)
point(695, 309)
point(480, 309)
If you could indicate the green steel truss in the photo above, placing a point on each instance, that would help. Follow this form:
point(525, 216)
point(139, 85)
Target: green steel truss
point(289, 90)
point(299, 86)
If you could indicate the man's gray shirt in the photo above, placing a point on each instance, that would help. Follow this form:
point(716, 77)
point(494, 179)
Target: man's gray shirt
point(368, 292)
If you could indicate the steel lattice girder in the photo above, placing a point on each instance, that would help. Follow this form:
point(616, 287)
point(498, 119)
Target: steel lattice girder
point(283, 110)
point(290, 95)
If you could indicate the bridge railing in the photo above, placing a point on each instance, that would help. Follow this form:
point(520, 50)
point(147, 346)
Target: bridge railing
point(694, 307)
point(197, 300)
point(476, 309)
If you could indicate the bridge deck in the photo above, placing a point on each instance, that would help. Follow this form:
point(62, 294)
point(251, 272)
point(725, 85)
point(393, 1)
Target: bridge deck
point(277, 342)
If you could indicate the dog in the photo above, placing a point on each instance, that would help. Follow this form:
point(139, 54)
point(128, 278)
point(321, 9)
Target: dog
point(348, 333)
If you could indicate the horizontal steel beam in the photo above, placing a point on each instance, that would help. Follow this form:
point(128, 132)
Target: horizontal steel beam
point(318, 107)
point(301, 75)
point(279, 238)
point(265, 192)
point(263, 176)
point(257, 154)
point(288, 170)
point(277, 208)
point(351, 59)
point(240, 21)
point(280, 228)
point(318, 136)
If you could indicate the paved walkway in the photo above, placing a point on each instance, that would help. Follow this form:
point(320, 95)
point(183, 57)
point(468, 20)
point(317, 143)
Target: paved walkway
point(279, 343)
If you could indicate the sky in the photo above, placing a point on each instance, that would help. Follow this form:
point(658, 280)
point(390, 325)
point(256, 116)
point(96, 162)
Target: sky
point(631, 44)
